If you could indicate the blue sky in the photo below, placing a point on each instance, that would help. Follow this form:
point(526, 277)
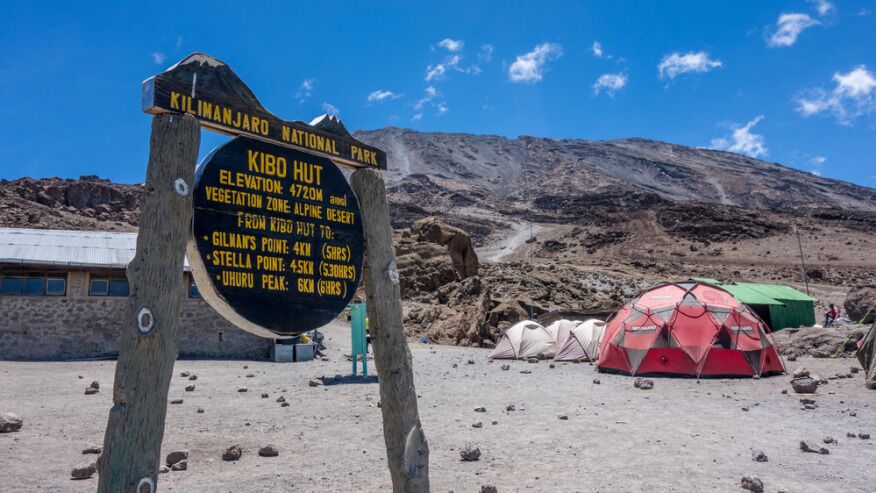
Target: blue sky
point(788, 81)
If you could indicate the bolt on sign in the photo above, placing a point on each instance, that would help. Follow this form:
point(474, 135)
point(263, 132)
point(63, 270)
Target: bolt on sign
point(276, 245)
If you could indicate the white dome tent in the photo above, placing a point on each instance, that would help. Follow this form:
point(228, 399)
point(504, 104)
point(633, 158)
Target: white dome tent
point(526, 339)
point(582, 343)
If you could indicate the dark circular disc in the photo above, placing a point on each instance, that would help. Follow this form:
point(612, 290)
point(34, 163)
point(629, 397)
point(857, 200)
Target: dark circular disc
point(276, 245)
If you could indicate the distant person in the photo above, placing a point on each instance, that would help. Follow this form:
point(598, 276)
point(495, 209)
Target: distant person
point(831, 315)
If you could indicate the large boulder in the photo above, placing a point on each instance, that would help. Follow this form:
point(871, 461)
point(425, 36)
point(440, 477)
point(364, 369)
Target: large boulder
point(457, 241)
point(861, 304)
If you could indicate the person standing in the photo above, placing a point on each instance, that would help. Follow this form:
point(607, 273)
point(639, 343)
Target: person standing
point(831, 315)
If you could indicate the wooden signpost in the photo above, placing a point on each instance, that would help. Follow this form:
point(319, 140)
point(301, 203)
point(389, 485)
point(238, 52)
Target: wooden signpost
point(276, 242)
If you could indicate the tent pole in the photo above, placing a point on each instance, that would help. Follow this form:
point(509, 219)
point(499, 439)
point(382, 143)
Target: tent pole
point(802, 259)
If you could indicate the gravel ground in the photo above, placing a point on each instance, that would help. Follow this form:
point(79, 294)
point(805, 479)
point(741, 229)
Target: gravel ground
point(683, 435)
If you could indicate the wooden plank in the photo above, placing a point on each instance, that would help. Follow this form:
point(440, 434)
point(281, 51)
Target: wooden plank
point(149, 343)
point(406, 447)
point(208, 89)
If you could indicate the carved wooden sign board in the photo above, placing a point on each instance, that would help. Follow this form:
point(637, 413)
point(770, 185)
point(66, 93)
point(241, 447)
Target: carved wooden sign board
point(276, 245)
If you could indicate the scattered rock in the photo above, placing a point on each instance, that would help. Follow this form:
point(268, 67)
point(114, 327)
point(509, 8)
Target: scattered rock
point(488, 488)
point(643, 383)
point(92, 449)
point(190, 388)
point(552, 365)
point(752, 483)
point(759, 456)
point(859, 303)
point(506, 367)
point(792, 357)
point(180, 466)
point(596, 381)
point(269, 451)
point(284, 404)
point(250, 375)
point(163, 469)
point(470, 454)
point(525, 372)
point(801, 372)
point(176, 456)
point(265, 396)
point(864, 436)
point(9, 423)
point(281, 399)
point(176, 401)
point(193, 378)
point(828, 440)
point(804, 385)
point(851, 435)
point(232, 453)
point(454, 365)
point(314, 383)
point(510, 407)
point(95, 385)
point(854, 369)
point(246, 367)
point(185, 374)
point(477, 424)
point(494, 423)
point(91, 391)
point(200, 410)
point(84, 471)
point(471, 362)
point(563, 417)
point(532, 360)
point(815, 449)
point(480, 409)
point(243, 389)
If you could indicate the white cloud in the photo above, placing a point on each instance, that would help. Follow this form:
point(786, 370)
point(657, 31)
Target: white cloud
point(442, 108)
point(597, 49)
point(676, 64)
point(179, 42)
point(305, 90)
point(853, 95)
point(452, 45)
point(529, 67)
point(817, 160)
point(789, 27)
point(610, 83)
point(486, 53)
point(417, 117)
point(435, 72)
point(380, 96)
point(822, 6)
point(331, 109)
point(743, 141)
point(158, 57)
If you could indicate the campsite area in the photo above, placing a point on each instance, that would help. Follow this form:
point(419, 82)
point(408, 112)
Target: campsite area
point(684, 434)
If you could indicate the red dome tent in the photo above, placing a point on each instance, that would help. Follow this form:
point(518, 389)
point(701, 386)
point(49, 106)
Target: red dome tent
point(688, 328)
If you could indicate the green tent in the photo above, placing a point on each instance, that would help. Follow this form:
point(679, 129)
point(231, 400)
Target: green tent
point(778, 305)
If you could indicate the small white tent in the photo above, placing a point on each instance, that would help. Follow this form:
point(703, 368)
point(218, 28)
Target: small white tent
point(559, 330)
point(526, 339)
point(583, 342)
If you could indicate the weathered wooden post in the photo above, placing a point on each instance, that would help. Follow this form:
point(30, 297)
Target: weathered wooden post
point(406, 447)
point(149, 344)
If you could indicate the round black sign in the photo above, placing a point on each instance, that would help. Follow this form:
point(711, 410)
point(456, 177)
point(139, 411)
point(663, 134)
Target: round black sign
point(276, 245)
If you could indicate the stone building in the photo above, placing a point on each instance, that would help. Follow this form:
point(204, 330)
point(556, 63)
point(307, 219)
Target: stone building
point(63, 295)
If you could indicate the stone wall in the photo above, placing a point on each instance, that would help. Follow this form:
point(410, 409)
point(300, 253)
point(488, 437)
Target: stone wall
point(78, 326)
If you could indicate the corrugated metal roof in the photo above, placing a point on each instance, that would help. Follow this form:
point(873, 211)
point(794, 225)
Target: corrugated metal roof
point(749, 296)
point(71, 248)
point(778, 291)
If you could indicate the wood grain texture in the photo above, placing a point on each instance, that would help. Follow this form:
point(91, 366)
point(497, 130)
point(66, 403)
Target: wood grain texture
point(406, 447)
point(135, 429)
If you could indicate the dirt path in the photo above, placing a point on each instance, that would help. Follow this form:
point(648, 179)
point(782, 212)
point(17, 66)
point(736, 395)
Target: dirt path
point(680, 436)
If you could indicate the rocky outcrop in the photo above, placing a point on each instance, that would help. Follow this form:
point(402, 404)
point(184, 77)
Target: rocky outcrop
point(860, 304)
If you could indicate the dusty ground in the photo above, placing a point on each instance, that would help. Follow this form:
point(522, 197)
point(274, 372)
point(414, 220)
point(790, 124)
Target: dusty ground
point(680, 436)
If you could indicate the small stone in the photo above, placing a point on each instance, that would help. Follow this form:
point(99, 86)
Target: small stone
point(200, 410)
point(506, 367)
point(91, 391)
point(563, 417)
point(510, 407)
point(314, 383)
point(190, 388)
point(828, 440)
point(477, 424)
point(265, 396)
point(854, 369)
point(250, 375)
point(81, 377)
point(281, 399)
point(95, 385)
point(801, 372)
point(242, 389)
point(269, 451)
point(193, 378)
point(470, 454)
point(853, 413)
point(596, 381)
point(246, 367)
point(176, 456)
point(494, 423)
point(752, 483)
point(532, 360)
point(180, 466)
point(84, 471)
point(284, 404)
point(784, 391)
point(526, 372)
point(815, 449)
point(480, 409)
point(10, 422)
point(232, 453)
point(851, 435)
point(759, 456)
point(163, 469)
point(92, 449)
point(745, 409)
point(804, 385)
point(552, 365)
point(792, 357)
point(454, 365)
point(643, 383)
point(185, 374)
point(488, 488)
point(176, 401)
point(864, 436)
point(470, 362)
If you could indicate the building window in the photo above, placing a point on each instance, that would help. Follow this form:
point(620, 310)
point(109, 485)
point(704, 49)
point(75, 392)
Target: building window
point(193, 290)
point(102, 286)
point(34, 286)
